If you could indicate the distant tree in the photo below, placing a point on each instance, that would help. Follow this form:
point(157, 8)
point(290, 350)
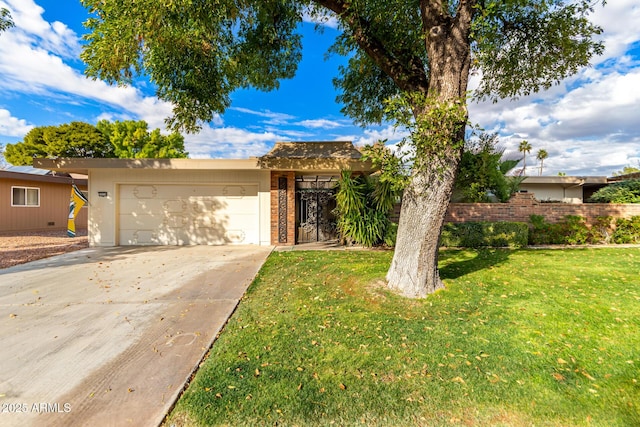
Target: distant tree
point(542, 155)
point(127, 139)
point(483, 172)
point(132, 139)
point(627, 170)
point(524, 148)
point(76, 139)
point(5, 20)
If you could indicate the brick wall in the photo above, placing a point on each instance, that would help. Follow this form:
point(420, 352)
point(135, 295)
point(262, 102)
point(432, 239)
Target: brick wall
point(291, 208)
point(523, 205)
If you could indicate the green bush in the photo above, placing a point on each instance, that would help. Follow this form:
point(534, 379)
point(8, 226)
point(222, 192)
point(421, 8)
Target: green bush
point(619, 192)
point(627, 230)
point(543, 232)
point(574, 231)
point(363, 207)
point(484, 234)
point(601, 230)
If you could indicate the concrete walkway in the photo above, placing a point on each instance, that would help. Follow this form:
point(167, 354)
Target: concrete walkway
point(110, 336)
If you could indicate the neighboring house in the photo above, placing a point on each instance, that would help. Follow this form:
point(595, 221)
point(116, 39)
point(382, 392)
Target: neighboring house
point(35, 199)
point(625, 177)
point(563, 189)
point(282, 198)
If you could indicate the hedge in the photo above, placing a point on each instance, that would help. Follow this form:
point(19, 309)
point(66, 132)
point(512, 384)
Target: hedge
point(485, 234)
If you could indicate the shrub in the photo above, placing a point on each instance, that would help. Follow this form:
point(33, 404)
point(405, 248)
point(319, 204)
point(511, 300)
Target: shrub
point(363, 207)
point(627, 230)
point(543, 232)
point(484, 234)
point(601, 230)
point(619, 192)
point(573, 230)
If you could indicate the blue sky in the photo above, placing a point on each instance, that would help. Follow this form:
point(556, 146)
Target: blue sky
point(589, 124)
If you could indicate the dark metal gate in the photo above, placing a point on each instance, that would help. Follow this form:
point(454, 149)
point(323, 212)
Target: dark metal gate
point(316, 221)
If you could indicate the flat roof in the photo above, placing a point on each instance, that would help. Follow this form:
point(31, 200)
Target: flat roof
point(83, 165)
point(57, 179)
point(565, 180)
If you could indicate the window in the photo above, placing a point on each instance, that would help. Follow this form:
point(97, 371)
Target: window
point(25, 196)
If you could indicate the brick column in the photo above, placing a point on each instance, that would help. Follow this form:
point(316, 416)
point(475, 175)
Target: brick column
point(283, 208)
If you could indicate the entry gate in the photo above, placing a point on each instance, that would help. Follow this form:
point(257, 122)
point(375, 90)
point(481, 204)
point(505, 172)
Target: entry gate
point(316, 220)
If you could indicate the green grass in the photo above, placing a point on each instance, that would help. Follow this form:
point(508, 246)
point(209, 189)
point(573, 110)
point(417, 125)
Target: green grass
point(517, 338)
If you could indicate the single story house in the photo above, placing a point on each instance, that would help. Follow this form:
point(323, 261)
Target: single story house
point(563, 189)
point(282, 198)
point(36, 199)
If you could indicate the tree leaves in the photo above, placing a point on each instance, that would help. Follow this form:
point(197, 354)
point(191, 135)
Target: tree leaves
point(127, 139)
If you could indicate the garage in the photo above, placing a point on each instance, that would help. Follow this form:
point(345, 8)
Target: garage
point(165, 214)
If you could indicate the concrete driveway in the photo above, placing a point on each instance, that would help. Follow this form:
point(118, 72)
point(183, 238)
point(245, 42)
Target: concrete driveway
point(110, 336)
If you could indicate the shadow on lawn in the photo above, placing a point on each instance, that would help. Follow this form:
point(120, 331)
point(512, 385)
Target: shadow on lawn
point(451, 268)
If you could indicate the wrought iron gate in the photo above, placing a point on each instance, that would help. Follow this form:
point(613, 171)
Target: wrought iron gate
point(315, 215)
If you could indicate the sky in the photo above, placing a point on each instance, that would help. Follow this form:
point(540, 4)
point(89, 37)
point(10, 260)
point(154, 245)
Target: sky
point(589, 124)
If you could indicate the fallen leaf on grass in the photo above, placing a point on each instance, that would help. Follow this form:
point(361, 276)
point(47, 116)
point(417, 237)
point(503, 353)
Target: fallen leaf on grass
point(458, 380)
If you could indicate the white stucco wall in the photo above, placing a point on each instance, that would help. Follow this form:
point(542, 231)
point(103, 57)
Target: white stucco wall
point(103, 212)
point(554, 192)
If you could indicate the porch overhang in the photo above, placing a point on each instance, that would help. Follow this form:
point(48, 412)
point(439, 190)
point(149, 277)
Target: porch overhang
point(317, 158)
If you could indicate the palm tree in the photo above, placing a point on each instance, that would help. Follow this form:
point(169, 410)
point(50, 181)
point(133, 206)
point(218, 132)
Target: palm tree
point(542, 154)
point(5, 20)
point(524, 148)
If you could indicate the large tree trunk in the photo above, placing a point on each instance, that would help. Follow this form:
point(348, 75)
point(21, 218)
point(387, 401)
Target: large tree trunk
point(414, 268)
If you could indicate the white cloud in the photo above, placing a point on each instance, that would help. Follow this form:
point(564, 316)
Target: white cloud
point(371, 136)
point(589, 123)
point(32, 61)
point(228, 142)
point(55, 37)
point(11, 126)
point(321, 17)
point(274, 118)
point(320, 124)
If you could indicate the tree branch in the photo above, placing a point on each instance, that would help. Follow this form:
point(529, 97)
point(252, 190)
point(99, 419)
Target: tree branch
point(408, 76)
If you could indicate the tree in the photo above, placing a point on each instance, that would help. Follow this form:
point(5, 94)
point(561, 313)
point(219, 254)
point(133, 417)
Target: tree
point(132, 139)
point(541, 155)
point(5, 20)
point(418, 54)
point(76, 139)
point(627, 191)
point(128, 139)
point(627, 170)
point(482, 171)
point(524, 148)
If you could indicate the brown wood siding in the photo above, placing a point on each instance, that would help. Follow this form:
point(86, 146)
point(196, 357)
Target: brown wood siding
point(54, 208)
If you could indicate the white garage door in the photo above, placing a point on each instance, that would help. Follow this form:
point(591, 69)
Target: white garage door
point(188, 214)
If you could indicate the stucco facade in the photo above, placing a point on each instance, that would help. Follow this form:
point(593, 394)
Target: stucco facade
point(48, 211)
point(209, 201)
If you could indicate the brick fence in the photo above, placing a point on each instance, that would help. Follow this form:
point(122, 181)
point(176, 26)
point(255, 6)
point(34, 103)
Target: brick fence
point(523, 205)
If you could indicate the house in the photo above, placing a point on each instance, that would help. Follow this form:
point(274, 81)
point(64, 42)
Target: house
point(563, 189)
point(35, 199)
point(282, 198)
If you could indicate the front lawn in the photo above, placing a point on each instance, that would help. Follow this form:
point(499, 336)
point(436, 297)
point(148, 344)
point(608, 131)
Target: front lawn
point(517, 338)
